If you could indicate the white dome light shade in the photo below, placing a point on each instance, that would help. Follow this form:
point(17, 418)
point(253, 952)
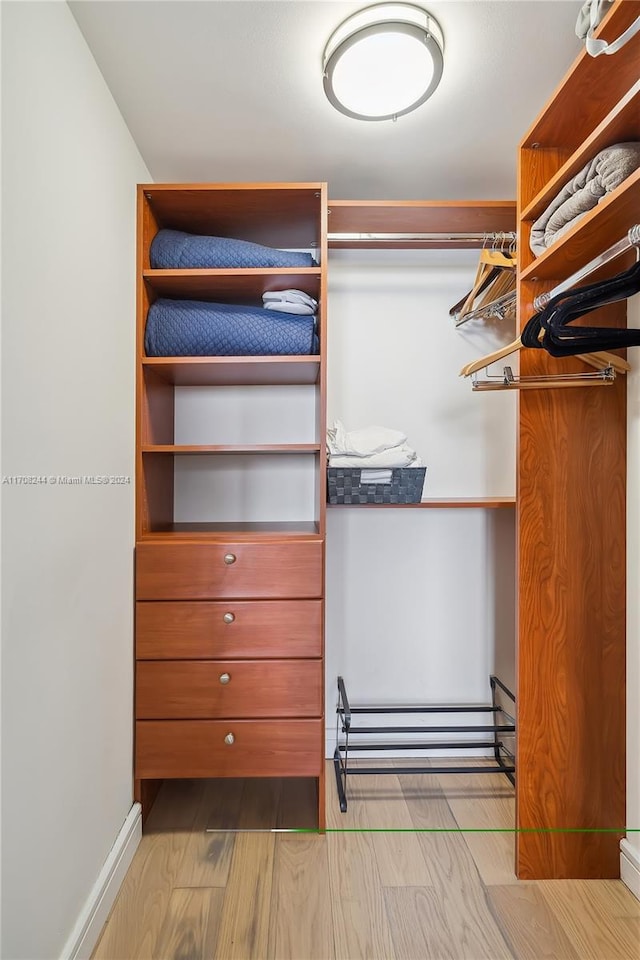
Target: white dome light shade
point(383, 62)
point(383, 74)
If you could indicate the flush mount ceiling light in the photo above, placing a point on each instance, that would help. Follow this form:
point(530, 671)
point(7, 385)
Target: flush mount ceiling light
point(383, 61)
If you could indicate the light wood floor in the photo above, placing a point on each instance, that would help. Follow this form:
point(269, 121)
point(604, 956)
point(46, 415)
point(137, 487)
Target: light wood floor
point(360, 893)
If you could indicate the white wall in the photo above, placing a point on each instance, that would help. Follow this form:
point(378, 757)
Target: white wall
point(69, 173)
point(395, 357)
point(420, 602)
point(631, 847)
point(229, 488)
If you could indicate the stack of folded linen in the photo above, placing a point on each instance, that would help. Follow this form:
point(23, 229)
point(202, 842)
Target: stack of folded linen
point(597, 179)
point(195, 328)
point(374, 450)
point(290, 301)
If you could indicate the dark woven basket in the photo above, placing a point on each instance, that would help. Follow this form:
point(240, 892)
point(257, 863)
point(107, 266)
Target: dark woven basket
point(344, 486)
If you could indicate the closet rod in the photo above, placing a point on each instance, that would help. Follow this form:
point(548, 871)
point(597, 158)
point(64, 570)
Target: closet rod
point(622, 246)
point(550, 382)
point(471, 238)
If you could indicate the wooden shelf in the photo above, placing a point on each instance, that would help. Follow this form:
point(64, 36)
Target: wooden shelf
point(488, 503)
point(620, 125)
point(235, 286)
point(418, 216)
point(235, 371)
point(598, 229)
point(200, 449)
point(245, 530)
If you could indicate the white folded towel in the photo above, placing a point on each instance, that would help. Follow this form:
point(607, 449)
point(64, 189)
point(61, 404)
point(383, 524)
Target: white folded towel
point(289, 301)
point(401, 456)
point(362, 443)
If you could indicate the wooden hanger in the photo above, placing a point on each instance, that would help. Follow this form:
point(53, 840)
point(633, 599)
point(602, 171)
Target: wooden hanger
point(483, 278)
point(495, 276)
point(485, 275)
point(504, 283)
point(498, 258)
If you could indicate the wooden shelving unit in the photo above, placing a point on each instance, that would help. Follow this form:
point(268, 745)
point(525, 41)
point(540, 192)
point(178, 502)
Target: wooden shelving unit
point(571, 501)
point(254, 704)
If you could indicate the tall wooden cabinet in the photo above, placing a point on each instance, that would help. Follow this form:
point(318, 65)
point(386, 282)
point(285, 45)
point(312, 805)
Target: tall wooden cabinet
point(571, 499)
point(229, 607)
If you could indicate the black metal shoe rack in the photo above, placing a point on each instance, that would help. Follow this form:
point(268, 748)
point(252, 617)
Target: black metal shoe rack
point(503, 725)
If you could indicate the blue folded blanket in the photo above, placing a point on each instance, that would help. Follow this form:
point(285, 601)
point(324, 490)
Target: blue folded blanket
point(193, 328)
point(173, 249)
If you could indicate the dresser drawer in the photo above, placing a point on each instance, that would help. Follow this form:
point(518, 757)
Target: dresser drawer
point(243, 570)
point(193, 689)
point(200, 748)
point(204, 630)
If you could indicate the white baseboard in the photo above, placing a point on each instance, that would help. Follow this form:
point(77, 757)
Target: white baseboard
point(630, 867)
point(88, 927)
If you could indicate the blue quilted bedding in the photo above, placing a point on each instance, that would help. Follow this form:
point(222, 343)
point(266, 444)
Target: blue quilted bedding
point(193, 328)
point(173, 249)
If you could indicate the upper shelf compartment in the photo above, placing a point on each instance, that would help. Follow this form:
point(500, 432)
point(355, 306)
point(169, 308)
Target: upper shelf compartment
point(591, 87)
point(621, 124)
point(598, 229)
point(595, 106)
point(372, 224)
point(277, 215)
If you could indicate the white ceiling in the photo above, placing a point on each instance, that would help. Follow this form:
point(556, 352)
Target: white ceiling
point(231, 90)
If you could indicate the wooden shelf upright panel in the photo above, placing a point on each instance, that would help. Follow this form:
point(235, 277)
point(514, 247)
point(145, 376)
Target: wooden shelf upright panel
point(570, 786)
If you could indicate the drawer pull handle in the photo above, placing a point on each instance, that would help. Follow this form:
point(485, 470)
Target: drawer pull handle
point(229, 739)
point(225, 678)
point(229, 617)
point(229, 558)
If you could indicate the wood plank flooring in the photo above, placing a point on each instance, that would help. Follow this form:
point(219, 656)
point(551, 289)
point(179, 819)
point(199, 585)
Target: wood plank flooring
point(392, 879)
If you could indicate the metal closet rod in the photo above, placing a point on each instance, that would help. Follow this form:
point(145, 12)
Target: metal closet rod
point(552, 382)
point(631, 240)
point(449, 237)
